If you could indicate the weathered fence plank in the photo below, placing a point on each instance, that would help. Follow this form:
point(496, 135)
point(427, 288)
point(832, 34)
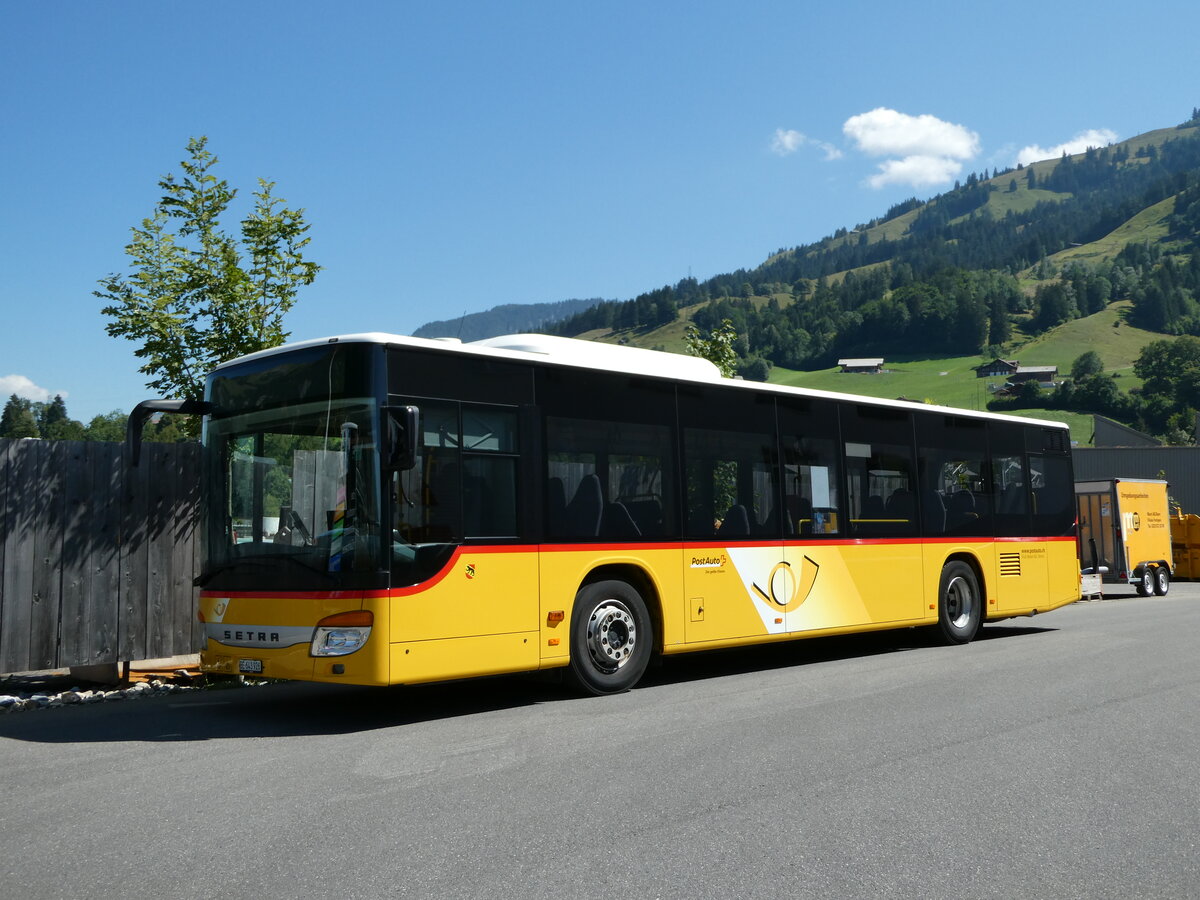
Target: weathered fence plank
point(185, 558)
point(6, 453)
point(46, 610)
point(135, 559)
point(103, 536)
point(77, 488)
point(19, 556)
point(97, 560)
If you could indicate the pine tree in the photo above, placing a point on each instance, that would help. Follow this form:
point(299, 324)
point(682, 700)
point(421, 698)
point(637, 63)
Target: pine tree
point(17, 420)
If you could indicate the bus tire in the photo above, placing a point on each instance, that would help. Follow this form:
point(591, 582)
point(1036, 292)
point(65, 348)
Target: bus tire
point(611, 637)
point(1162, 581)
point(960, 603)
point(1145, 583)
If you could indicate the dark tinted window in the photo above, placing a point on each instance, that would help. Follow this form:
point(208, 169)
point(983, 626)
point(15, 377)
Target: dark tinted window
point(956, 487)
point(1010, 479)
point(811, 466)
point(424, 373)
point(880, 474)
point(464, 483)
point(1052, 495)
point(609, 456)
point(731, 464)
point(312, 374)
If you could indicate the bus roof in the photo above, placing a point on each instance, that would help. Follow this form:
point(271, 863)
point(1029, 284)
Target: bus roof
point(575, 353)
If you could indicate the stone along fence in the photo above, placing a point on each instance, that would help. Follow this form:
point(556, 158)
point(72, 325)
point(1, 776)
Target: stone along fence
point(97, 559)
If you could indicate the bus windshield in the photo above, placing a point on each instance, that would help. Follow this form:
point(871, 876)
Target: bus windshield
point(296, 498)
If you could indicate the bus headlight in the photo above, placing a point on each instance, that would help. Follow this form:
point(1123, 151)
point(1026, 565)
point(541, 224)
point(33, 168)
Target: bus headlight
point(342, 634)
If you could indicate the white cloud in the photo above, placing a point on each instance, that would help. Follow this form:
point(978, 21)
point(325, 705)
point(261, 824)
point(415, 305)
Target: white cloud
point(926, 150)
point(886, 132)
point(1094, 137)
point(788, 141)
point(24, 387)
point(916, 171)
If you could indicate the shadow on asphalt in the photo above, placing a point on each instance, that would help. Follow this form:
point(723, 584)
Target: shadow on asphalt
point(295, 709)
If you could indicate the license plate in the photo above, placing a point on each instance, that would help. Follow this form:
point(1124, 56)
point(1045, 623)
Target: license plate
point(252, 666)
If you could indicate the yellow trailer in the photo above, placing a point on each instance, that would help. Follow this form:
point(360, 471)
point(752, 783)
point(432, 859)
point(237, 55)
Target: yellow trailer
point(1125, 532)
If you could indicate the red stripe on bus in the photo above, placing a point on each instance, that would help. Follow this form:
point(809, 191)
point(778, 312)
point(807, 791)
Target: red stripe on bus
point(622, 548)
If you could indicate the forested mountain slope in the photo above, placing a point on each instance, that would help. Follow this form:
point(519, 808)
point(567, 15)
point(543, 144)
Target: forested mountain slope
point(1001, 256)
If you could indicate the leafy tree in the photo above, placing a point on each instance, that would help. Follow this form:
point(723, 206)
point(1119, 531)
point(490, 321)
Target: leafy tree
point(755, 369)
point(716, 347)
point(17, 420)
point(1170, 368)
point(1086, 364)
point(196, 296)
point(106, 427)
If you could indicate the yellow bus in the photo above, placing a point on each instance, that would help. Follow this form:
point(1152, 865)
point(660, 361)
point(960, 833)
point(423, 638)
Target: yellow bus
point(381, 510)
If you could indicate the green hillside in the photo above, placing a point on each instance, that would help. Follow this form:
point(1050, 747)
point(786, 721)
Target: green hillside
point(1094, 252)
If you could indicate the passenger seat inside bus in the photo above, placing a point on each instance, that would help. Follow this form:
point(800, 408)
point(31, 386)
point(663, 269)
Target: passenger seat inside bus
point(586, 509)
point(617, 522)
point(736, 522)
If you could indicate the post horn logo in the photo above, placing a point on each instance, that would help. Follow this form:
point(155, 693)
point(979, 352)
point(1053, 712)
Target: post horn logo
point(785, 591)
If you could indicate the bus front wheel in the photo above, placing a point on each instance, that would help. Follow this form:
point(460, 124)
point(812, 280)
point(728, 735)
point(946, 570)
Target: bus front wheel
point(611, 637)
point(960, 603)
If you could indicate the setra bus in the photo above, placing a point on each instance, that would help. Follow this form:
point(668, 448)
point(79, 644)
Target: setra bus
point(381, 510)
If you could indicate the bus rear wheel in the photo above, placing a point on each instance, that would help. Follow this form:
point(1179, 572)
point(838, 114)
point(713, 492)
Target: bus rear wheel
point(960, 603)
point(611, 637)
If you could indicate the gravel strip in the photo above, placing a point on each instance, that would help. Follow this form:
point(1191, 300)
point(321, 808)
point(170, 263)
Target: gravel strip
point(24, 701)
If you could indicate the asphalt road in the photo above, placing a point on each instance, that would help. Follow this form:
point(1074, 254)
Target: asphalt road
point(1055, 757)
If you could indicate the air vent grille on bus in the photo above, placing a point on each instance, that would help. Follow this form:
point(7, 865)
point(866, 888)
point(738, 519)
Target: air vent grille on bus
point(1010, 564)
point(1054, 440)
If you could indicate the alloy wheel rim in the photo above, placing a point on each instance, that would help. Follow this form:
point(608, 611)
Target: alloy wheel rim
point(611, 635)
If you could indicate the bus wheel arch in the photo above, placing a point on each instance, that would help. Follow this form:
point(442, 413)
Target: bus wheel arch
point(962, 599)
point(615, 623)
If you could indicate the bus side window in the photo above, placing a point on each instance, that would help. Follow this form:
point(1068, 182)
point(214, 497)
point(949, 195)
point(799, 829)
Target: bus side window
point(812, 467)
point(605, 479)
point(1053, 495)
point(732, 484)
point(880, 470)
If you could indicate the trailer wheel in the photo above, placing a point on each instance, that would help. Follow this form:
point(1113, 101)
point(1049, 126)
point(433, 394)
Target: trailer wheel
point(1145, 583)
point(1162, 581)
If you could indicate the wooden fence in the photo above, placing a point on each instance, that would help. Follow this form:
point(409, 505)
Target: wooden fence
point(97, 559)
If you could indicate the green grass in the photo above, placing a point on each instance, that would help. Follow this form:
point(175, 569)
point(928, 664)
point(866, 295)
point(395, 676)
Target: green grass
point(1106, 332)
point(1151, 225)
point(951, 381)
point(1001, 202)
point(922, 380)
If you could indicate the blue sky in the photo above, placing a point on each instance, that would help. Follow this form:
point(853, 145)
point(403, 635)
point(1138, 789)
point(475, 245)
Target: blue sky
point(454, 156)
